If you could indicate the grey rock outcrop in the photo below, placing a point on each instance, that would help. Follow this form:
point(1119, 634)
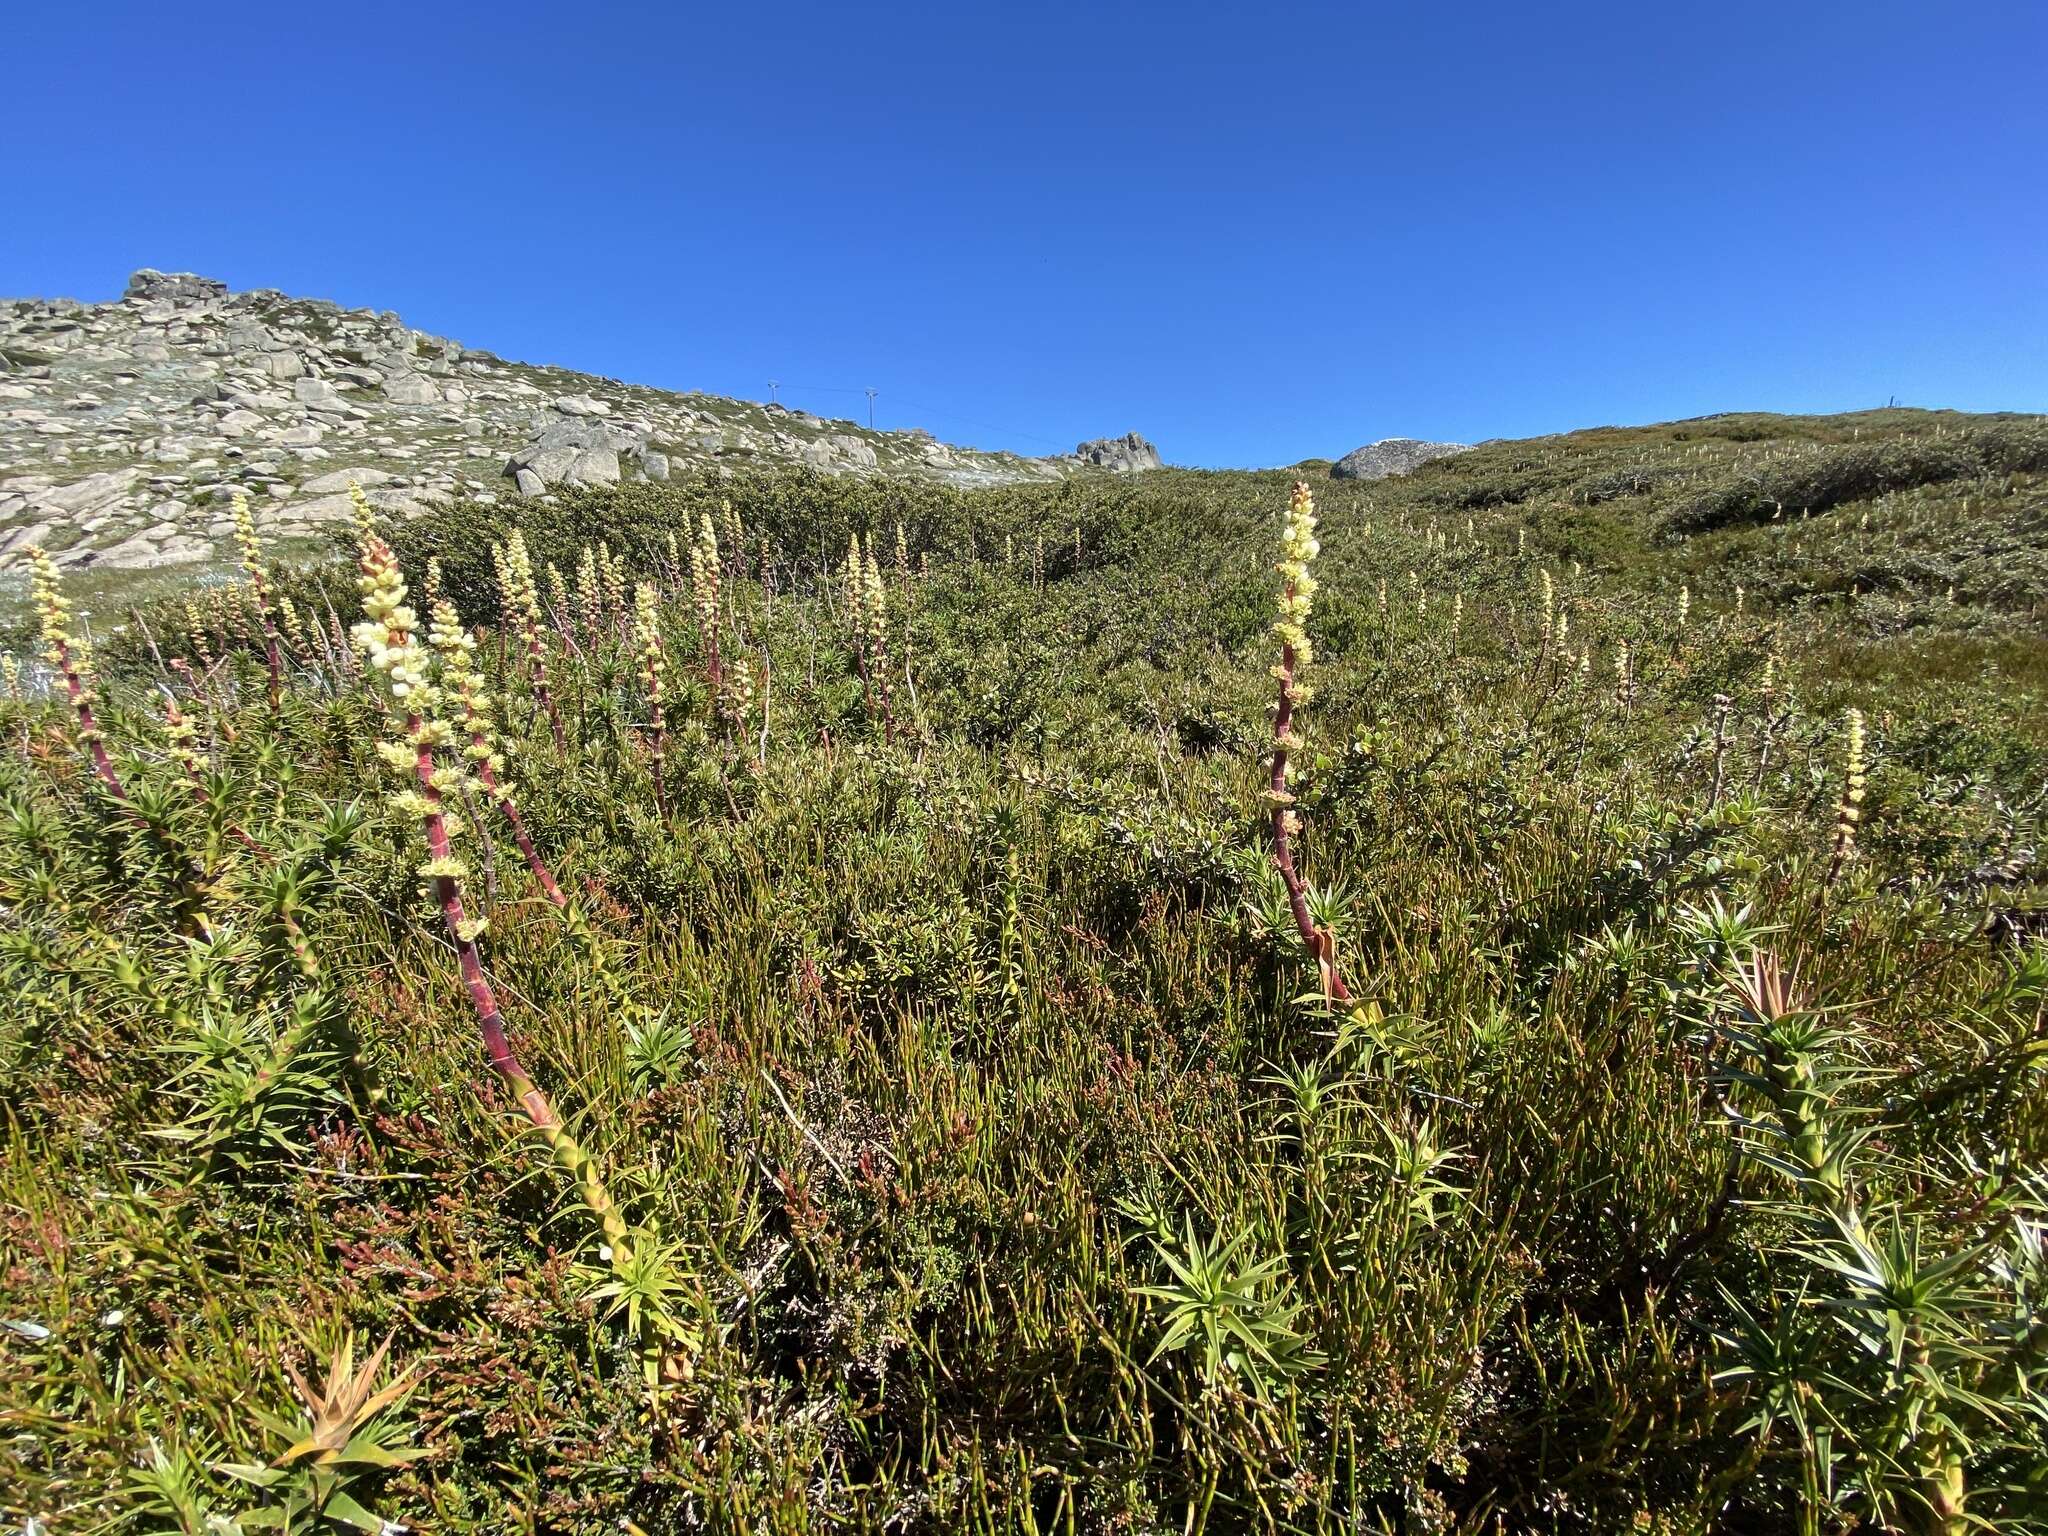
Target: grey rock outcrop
point(1390, 456)
point(174, 287)
point(575, 450)
point(317, 395)
point(410, 389)
point(1127, 454)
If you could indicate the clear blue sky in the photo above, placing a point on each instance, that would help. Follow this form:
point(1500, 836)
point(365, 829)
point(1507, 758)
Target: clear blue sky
point(1254, 233)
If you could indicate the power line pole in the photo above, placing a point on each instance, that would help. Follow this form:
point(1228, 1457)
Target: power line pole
point(774, 385)
point(871, 408)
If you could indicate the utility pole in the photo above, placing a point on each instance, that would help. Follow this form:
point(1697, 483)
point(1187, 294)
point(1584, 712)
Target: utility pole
point(871, 408)
point(774, 385)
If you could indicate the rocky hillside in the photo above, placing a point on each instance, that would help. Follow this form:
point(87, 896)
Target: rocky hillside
point(126, 428)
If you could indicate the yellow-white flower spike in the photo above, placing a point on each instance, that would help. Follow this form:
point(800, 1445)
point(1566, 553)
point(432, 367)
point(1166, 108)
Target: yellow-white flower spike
point(1298, 550)
point(247, 543)
point(385, 635)
point(647, 632)
point(1853, 783)
point(589, 598)
point(853, 586)
point(705, 592)
point(53, 609)
point(1849, 810)
point(519, 568)
point(365, 517)
point(741, 681)
point(874, 593)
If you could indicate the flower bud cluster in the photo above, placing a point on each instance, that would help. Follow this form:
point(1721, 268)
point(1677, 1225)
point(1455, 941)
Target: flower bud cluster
point(181, 739)
point(294, 627)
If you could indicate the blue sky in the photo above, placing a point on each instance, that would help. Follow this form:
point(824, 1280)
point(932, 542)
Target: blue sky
point(1254, 233)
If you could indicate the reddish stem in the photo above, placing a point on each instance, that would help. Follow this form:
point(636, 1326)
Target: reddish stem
point(275, 663)
point(519, 834)
point(449, 895)
point(1318, 940)
point(881, 672)
point(537, 660)
point(88, 724)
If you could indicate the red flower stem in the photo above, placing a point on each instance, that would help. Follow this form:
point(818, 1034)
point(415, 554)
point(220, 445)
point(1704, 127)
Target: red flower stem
point(1318, 940)
point(537, 660)
point(497, 1049)
point(489, 780)
point(88, 723)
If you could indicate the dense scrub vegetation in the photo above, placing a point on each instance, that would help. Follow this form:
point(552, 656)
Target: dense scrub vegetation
point(619, 1014)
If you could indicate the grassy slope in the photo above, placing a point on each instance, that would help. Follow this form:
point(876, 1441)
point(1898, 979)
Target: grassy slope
point(925, 1057)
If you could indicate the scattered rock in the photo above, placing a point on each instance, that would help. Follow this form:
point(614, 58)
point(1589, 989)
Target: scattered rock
point(340, 480)
point(84, 497)
point(337, 508)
